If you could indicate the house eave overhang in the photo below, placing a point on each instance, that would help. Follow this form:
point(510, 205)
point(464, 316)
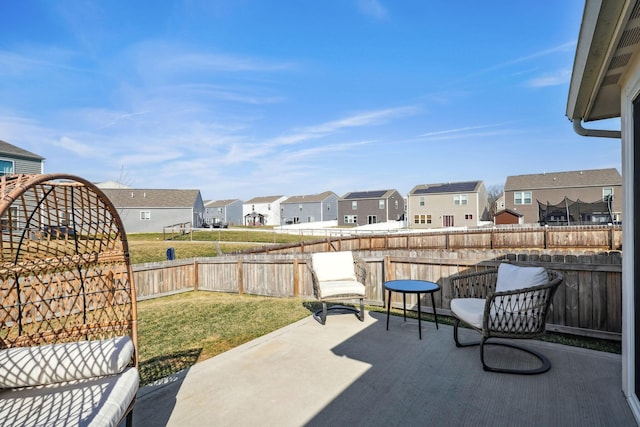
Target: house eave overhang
point(608, 37)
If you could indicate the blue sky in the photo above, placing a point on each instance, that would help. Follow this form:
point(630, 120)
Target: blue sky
point(251, 98)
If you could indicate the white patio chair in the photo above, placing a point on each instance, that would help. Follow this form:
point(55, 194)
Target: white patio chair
point(507, 302)
point(338, 276)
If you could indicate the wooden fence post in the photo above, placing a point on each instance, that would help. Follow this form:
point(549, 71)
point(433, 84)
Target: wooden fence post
point(239, 273)
point(296, 278)
point(195, 275)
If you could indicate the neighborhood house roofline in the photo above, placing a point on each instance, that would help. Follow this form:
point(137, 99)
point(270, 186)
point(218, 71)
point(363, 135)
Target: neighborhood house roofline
point(265, 199)
point(220, 203)
point(309, 198)
point(12, 150)
point(152, 198)
point(571, 179)
point(449, 187)
point(361, 195)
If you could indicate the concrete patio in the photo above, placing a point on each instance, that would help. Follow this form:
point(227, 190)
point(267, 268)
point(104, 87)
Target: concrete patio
point(357, 373)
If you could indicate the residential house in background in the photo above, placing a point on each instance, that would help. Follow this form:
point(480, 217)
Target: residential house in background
point(150, 210)
point(453, 204)
point(262, 210)
point(310, 208)
point(16, 160)
point(370, 207)
point(219, 212)
point(556, 192)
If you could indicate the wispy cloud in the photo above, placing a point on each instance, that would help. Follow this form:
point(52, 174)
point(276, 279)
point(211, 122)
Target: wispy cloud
point(560, 77)
point(456, 131)
point(565, 47)
point(369, 118)
point(373, 9)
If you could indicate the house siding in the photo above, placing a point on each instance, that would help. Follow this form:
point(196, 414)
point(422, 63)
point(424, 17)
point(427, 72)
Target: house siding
point(165, 207)
point(226, 211)
point(158, 219)
point(309, 211)
point(370, 207)
point(24, 162)
point(442, 210)
point(569, 187)
point(269, 207)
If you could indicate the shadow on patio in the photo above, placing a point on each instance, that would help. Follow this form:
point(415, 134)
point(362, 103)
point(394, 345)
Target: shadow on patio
point(357, 373)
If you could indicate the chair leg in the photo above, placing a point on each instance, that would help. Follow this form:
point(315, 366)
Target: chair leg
point(544, 367)
point(321, 315)
point(456, 323)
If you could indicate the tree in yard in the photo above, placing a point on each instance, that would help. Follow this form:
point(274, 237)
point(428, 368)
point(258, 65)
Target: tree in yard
point(494, 192)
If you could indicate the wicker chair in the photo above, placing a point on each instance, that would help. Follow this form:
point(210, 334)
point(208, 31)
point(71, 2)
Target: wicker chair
point(68, 338)
point(507, 302)
point(338, 276)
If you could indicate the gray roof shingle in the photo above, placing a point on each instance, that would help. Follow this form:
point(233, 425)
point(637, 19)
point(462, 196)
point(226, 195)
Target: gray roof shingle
point(151, 198)
point(584, 178)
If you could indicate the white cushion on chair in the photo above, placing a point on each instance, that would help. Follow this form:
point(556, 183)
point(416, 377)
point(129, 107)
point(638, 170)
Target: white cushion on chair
point(512, 277)
point(333, 288)
point(99, 401)
point(54, 363)
point(469, 310)
point(334, 266)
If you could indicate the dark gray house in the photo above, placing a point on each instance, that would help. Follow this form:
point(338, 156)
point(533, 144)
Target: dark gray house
point(223, 212)
point(16, 160)
point(144, 211)
point(370, 207)
point(311, 208)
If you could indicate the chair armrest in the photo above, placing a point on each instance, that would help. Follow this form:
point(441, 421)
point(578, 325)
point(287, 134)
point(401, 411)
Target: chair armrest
point(474, 285)
point(361, 269)
point(314, 278)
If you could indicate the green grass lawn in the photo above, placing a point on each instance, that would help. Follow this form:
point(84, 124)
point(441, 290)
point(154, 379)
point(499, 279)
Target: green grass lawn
point(178, 331)
point(150, 247)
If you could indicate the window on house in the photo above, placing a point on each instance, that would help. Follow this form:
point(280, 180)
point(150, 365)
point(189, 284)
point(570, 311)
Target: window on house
point(421, 201)
point(447, 220)
point(381, 204)
point(328, 206)
point(607, 194)
point(396, 204)
point(522, 198)
point(6, 167)
point(468, 216)
point(268, 207)
point(372, 219)
point(351, 219)
point(428, 219)
point(311, 219)
point(299, 207)
point(459, 199)
point(295, 220)
point(145, 215)
point(354, 206)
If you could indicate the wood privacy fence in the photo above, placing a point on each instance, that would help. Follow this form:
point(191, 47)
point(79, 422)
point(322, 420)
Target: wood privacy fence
point(587, 303)
point(603, 237)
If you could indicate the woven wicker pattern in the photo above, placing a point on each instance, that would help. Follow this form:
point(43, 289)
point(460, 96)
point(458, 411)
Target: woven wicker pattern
point(65, 273)
point(512, 314)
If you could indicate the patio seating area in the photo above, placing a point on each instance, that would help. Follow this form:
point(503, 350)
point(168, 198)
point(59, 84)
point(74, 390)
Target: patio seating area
point(357, 373)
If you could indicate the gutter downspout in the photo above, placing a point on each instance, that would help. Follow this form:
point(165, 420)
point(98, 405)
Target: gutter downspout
point(601, 133)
